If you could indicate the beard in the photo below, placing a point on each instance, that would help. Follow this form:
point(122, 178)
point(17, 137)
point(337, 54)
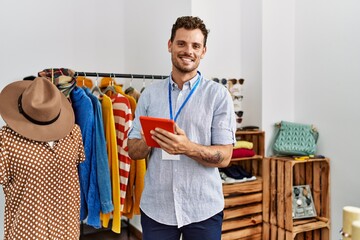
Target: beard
point(184, 68)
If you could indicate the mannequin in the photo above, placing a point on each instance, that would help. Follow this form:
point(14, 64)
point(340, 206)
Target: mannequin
point(40, 149)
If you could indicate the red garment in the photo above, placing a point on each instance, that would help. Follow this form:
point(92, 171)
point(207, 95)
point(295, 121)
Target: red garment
point(243, 152)
point(123, 121)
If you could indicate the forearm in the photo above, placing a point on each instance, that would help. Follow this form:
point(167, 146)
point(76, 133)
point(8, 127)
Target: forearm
point(211, 156)
point(138, 149)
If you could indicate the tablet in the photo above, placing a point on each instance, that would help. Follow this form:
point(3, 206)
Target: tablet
point(150, 123)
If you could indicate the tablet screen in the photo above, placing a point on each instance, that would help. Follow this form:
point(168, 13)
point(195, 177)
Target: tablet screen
point(150, 123)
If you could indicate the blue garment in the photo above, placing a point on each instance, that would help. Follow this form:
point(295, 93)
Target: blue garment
point(84, 117)
point(181, 192)
point(99, 147)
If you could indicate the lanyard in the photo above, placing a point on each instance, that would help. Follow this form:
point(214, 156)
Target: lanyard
point(186, 100)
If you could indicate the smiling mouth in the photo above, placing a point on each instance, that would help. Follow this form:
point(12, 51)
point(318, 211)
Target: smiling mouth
point(187, 59)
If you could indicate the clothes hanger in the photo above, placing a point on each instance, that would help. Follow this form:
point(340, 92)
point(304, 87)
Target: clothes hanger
point(96, 87)
point(130, 88)
point(111, 86)
point(143, 86)
point(131, 80)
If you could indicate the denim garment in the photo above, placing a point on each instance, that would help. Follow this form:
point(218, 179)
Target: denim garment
point(84, 117)
point(182, 192)
point(99, 146)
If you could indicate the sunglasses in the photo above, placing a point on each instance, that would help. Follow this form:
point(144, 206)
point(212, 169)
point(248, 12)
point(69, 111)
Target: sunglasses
point(238, 97)
point(239, 113)
point(234, 81)
point(239, 120)
point(223, 81)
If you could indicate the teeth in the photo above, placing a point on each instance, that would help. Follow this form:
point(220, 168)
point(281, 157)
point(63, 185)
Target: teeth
point(187, 59)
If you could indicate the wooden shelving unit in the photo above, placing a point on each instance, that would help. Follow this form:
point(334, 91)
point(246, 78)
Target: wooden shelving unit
point(243, 210)
point(280, 175)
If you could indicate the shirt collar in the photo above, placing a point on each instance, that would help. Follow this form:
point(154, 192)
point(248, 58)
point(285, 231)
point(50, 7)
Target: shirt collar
point(189, 84)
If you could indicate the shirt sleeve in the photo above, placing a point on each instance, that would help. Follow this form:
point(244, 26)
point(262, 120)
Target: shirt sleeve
point(4, 165)
point(224, 122)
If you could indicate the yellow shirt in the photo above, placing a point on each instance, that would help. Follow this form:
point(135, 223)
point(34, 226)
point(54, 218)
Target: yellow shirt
point(110, 135)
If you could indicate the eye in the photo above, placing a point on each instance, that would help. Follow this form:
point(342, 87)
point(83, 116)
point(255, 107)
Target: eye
point(180, 44)
point(196, 46)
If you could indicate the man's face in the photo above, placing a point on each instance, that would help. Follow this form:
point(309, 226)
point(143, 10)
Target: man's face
point(187, 49)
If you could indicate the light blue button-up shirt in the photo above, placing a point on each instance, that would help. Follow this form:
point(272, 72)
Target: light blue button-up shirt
point(180, 192)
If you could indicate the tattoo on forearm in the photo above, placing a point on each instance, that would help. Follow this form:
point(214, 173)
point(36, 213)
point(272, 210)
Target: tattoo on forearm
point(214, 159)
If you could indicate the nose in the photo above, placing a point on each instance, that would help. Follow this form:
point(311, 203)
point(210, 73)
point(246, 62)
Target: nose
point(188, 49)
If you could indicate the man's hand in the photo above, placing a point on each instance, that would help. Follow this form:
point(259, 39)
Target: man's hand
point(179, 143)
point(173, 143)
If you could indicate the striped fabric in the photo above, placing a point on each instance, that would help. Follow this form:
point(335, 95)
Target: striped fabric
point(123, 121)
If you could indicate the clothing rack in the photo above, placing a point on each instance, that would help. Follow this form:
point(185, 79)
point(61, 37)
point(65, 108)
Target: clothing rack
point(115, 75)
point(120, 75)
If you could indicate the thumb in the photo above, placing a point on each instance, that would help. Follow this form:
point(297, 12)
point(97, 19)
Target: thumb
point(178, 130)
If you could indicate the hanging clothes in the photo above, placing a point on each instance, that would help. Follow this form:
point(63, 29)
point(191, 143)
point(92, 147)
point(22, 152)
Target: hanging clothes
point(135, 187)
point(99, 148)
point(132, 173)
point(82, 81)
point(110, 136)
point(90, 199)
point(123, 119)
point(108, 81)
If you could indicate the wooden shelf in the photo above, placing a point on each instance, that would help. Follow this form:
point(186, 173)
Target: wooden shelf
point(280, 175)
point(243, 209)
point(244, 187)
point(256, 157)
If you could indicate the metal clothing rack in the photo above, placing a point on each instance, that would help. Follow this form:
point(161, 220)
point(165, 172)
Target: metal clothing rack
point(120, 75)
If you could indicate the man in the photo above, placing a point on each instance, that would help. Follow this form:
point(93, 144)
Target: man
point(183, 189)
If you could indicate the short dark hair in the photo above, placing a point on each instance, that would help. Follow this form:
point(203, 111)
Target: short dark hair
point(189, 23)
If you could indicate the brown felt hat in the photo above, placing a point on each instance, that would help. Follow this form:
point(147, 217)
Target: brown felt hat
point(36, 110)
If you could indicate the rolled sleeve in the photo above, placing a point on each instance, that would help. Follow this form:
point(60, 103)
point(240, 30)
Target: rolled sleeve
point(224, 122)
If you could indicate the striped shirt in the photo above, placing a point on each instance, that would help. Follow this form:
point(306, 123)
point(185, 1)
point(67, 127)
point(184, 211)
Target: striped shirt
point(123, 120)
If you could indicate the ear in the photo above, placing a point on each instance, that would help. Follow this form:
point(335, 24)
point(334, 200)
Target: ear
point(169, 45)
point(203, 53)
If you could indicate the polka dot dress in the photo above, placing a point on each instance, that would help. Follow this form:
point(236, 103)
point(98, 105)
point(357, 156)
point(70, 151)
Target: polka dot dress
point(41, 186)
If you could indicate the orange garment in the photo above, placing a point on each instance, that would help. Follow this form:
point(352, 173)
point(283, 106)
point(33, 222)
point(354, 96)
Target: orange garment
point(84, 81)
point(135, 187)
point(107, 81)
point(131, 99)
point(136, 179)
point(139, 184)
point(111, 145)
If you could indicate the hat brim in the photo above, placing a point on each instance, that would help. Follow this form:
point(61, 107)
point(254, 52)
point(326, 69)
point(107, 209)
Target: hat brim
point(16, 121)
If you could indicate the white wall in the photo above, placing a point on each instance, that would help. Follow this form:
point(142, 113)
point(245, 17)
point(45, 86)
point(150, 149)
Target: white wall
point(300, 62)
point(234, 48)
point(327, 74)
point(83, 35)
point(277, 64)
point(311, 74)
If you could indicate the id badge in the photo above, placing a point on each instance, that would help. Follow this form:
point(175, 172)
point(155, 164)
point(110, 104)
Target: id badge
point(167, 156)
